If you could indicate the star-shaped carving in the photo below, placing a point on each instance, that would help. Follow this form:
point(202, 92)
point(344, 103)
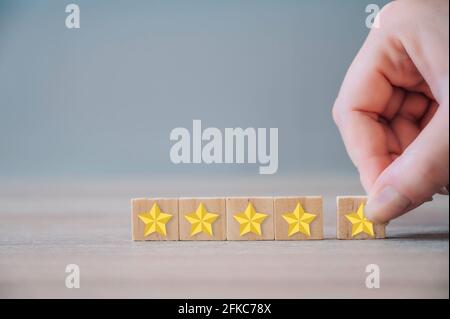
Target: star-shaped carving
point(299, 221)
point(250, 220)
point(201, 220)
point(155, 221)
point(360, 224)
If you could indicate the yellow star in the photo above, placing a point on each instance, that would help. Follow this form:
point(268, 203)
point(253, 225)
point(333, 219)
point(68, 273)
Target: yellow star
point(250, 220)
point(155, 221)
point(201, 220)
point(360, 224)
point(299, 221)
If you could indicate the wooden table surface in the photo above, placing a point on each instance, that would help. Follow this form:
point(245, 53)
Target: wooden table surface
point(48, 223)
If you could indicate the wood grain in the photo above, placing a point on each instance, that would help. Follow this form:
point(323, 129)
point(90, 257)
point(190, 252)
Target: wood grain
point(213, 205)
point(311, 204)
point(142, 205)
point(350, 204)
point(47, 224)
point(237, 205)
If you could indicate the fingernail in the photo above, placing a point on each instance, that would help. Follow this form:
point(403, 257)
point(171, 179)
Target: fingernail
point(444, 190)
point(386, 205)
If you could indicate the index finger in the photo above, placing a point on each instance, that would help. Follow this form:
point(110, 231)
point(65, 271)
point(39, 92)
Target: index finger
point(367, 93)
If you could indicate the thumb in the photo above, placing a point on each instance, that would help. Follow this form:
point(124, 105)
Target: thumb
point(419, 173)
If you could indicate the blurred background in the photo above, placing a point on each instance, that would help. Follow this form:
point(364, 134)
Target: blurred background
point(85, 118)
point(100, 101)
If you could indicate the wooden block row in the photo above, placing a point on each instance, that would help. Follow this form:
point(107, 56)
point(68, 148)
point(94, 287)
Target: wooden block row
point(247, 218)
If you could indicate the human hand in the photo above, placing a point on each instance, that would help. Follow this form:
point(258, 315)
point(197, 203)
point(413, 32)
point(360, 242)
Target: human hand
point(393, 108)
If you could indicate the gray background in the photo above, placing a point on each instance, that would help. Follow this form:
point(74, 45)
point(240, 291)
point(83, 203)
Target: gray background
point(85, 117)
point(102, 100)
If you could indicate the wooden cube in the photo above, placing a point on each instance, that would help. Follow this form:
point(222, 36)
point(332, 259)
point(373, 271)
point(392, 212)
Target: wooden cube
point(298, 218)
point(349, 223)
point(154, 219)
point(250, 218)
point(202, 218)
